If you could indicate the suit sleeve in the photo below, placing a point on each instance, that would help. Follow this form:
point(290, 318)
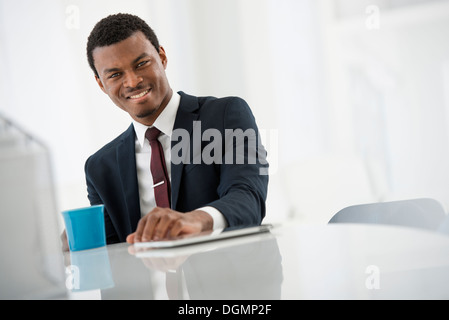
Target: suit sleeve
point(95, 199)
point(244, 171)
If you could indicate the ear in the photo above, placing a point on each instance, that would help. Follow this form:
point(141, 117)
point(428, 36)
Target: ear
point(100, 83)
point(163, 57)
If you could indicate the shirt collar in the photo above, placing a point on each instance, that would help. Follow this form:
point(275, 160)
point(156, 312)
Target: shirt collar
point(164, 122)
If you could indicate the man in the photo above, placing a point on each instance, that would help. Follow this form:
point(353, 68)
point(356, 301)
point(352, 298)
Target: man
point(129, 66)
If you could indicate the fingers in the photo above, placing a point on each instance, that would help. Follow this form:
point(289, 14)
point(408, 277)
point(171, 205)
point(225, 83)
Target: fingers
point(147, 226)
point(154, 226)
point(144, 228)
point(164, 223)
point(130, 238)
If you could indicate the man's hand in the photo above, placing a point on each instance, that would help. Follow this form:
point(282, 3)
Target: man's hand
point(64, 242)
point(164, 223)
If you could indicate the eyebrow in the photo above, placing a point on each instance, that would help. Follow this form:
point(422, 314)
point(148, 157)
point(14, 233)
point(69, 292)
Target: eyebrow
point(113, 70)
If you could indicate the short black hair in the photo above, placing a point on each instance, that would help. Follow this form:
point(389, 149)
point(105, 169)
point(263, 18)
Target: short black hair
point(116, 28)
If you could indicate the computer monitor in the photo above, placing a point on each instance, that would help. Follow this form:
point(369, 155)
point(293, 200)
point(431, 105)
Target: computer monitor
point(31, 265)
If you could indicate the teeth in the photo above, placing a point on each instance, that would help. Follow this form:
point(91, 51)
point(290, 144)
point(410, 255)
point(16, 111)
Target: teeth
point(139, 95)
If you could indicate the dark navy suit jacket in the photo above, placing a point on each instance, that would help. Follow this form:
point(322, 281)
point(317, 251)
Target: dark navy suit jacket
point(238, 191)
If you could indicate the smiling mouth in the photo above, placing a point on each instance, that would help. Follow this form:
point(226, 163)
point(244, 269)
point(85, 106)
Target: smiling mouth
point(140, 95)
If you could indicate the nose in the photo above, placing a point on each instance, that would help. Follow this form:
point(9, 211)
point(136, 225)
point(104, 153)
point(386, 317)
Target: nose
point(132, 80)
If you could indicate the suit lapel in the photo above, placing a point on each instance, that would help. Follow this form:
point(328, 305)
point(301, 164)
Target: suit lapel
point(126, 160)
point(186, 115)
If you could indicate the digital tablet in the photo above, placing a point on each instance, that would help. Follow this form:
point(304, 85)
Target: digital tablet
point(204, 237)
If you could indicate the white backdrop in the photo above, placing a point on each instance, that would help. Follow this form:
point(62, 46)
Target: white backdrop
point(353, 96)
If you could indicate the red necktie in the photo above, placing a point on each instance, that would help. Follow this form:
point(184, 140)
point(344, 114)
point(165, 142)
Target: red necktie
point(161, 183)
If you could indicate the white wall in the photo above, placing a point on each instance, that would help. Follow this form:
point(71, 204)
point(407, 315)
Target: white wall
point(388, 69)
point(328, 88)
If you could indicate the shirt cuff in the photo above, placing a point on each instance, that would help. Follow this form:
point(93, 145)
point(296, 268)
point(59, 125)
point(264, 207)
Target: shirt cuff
point(218, 218)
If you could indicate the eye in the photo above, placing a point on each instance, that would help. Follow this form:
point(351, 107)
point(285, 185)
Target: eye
point(141, 64)
point(114, 75)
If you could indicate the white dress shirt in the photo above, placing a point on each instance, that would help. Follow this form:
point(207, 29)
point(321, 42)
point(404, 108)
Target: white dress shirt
point(164, 123)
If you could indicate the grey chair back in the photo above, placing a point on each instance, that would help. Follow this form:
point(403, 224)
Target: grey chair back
point(417, 213)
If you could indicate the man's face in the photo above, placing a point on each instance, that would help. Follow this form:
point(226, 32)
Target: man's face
point(132, 74)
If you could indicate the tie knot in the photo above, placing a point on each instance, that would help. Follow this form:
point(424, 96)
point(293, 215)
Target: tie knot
point(152, 134)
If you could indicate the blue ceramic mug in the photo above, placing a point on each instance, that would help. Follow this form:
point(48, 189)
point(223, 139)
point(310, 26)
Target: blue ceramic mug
point(85, 227)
